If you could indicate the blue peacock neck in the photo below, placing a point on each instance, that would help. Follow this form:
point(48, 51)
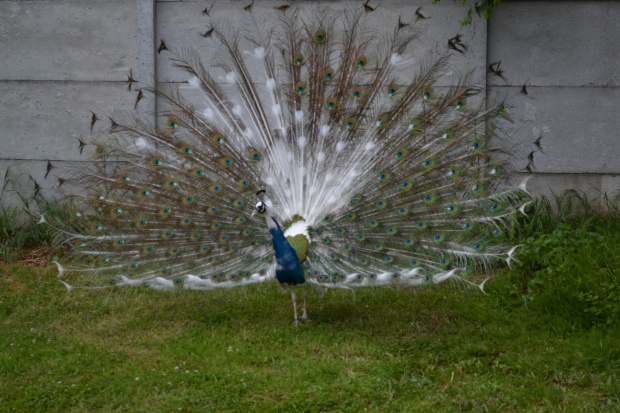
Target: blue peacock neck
point(288, 267)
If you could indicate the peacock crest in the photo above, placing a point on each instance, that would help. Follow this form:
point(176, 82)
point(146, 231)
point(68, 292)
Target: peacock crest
point(324, 155)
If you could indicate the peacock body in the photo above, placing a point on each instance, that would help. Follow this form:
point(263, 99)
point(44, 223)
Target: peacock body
point(325, 157)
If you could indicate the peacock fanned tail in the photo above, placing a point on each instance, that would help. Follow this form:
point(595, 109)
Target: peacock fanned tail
point(376, 175)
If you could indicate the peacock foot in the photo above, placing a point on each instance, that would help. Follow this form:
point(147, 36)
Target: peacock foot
point(297, 323)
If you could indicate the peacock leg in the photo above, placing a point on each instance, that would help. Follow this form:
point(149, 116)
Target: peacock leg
point(304, 315)
point(294, 297)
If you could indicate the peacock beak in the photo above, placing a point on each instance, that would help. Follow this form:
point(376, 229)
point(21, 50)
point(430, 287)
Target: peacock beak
point(254, 212)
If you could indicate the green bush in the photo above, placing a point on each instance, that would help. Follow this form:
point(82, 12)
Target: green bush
point(568, 263)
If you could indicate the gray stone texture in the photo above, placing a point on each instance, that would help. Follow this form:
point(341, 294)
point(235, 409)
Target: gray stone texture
point(146, 57)
point(556, 43)
point(182, 23)
point(63, 59)
point(67, 40)
point(577, 128)
point(567, 54)
point(60, 60)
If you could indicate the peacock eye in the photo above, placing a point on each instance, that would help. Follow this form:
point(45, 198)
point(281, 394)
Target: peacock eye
point(331, 103)
point(172, 123)
point(298, 59)
point(320, 36)
point(300, 87)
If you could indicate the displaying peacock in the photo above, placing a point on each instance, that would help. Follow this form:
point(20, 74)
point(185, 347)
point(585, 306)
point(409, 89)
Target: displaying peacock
point(325, 157)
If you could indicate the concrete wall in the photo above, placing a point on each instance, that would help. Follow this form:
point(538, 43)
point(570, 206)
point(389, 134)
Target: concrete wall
point(567, 54)
point(59, 61)
point(62, 59)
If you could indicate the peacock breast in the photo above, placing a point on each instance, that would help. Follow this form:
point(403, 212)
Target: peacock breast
point(301, 245)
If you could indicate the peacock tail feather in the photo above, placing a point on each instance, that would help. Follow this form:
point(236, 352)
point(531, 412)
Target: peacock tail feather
point(373, 173)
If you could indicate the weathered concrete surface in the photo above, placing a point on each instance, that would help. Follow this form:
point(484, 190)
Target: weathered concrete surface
point(15, 177)
point(556, 43)
point(67, 40)
point(592, 185)
point(180, 25)
point(146, 57)
point(568, 54)
point(578, 131)
point(61, 60)
point(43, 120)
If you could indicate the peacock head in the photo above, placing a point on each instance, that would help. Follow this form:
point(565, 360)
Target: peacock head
point(260, 208)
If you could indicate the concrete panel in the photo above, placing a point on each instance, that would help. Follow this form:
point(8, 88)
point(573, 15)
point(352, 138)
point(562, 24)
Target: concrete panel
point(146, 56)
point(592, 185)
point(181, 24)
point(68, 40)
point(43, 120)
point(556, 43)
point(19, 177)
point(610, 184)
point(577, 126)
point(15, 177)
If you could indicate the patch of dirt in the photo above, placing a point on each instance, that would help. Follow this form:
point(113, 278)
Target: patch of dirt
point(38, 257)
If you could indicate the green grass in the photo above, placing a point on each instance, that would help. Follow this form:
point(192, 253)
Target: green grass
point(545, 338)
point(381, 350)
point(19, 228)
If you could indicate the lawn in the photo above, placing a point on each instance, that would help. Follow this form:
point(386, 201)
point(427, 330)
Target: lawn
point(435, 349)
point(544, 338)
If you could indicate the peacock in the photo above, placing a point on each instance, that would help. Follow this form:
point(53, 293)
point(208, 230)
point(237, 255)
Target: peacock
point(320, 154)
